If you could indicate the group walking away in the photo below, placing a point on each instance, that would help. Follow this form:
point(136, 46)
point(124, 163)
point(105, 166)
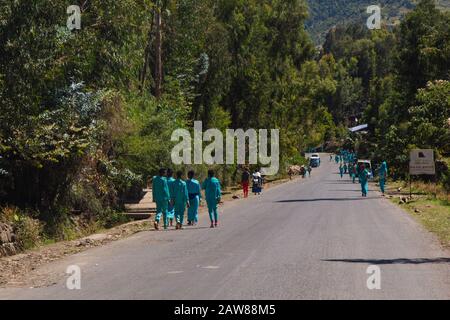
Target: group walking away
point(174, 196)
point(348, 164)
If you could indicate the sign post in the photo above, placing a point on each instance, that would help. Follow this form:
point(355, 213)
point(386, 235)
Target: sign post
point(421, 163)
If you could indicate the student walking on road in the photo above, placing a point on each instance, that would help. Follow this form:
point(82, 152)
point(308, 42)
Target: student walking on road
point(352, 172)
point(341, 170)
point(161, 197)
point(364, 180)
point(245, 180)
point(194, 194)
point(179, 199)
point(213, 195)
point(171, 209)
point(383, 172)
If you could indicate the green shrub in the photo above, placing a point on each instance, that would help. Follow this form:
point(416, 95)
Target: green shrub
point(28, 231)
point(446, 181)
point(8, 214)
point(113, 218)
point(296, 160)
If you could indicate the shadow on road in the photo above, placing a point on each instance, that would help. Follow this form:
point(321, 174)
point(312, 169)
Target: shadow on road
point(185, 228)
point(392, 261)
point(327, 199)
point(343, 182)
point(339, 190)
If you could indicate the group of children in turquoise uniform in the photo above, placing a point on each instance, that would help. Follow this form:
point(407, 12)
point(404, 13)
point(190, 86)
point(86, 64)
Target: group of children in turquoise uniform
point(173, 196)
point(348, 164)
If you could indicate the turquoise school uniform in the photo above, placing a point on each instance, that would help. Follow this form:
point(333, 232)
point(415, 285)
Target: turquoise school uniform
point(195, 195)
point(213, 195)
point(171, 209)
point(161, 197)
point(364, 181)
point(383, 172)
point(179, 195)
point(341, 171)
point(352, 172)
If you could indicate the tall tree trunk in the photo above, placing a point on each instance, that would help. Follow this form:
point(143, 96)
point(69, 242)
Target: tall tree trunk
point(147, 52)
point(158, 53)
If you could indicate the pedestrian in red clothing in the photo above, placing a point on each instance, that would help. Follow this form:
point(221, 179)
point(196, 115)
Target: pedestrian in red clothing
point(245, 180)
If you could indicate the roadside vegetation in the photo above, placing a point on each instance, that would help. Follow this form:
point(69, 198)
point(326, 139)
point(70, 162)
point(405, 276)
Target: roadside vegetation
point(429, 205)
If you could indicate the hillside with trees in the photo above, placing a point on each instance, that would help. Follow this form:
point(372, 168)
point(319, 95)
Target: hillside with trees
point(397, 82)
point(326, 14)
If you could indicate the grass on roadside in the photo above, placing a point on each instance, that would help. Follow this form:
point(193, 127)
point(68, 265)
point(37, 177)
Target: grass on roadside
point(429, 205)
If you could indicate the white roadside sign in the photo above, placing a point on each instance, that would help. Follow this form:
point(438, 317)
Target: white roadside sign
point(422, 162)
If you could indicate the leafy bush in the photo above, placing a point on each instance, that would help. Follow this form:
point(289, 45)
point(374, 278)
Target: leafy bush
point(8, 214)
point(28, 231)
point(44, 153)
point(296, 160)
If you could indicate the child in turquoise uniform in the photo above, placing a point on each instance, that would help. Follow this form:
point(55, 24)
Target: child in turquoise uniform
point(352, 172)
point(383, 172)
point(341, 170)
point(364, 180)
point(161, 197)
point(171, 209)
point(195, 195)
point(213, 196)
point(179, 198)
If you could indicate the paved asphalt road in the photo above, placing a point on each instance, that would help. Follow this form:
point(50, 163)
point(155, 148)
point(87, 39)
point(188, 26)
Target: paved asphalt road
point(312, 239)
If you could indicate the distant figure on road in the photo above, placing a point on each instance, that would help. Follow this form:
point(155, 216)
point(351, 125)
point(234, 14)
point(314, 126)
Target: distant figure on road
point(195, 195)
point(245, 181)
point(309, 171)
point(336, 158)
point(364, 180)
point(213, 195)
point(257, 183)
point(352, 172)
point(383, 172)
point(303, 171)
point(341, 170)
point(179, 199)
point(161, 197)
point(331, 157)
point(171, 209)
